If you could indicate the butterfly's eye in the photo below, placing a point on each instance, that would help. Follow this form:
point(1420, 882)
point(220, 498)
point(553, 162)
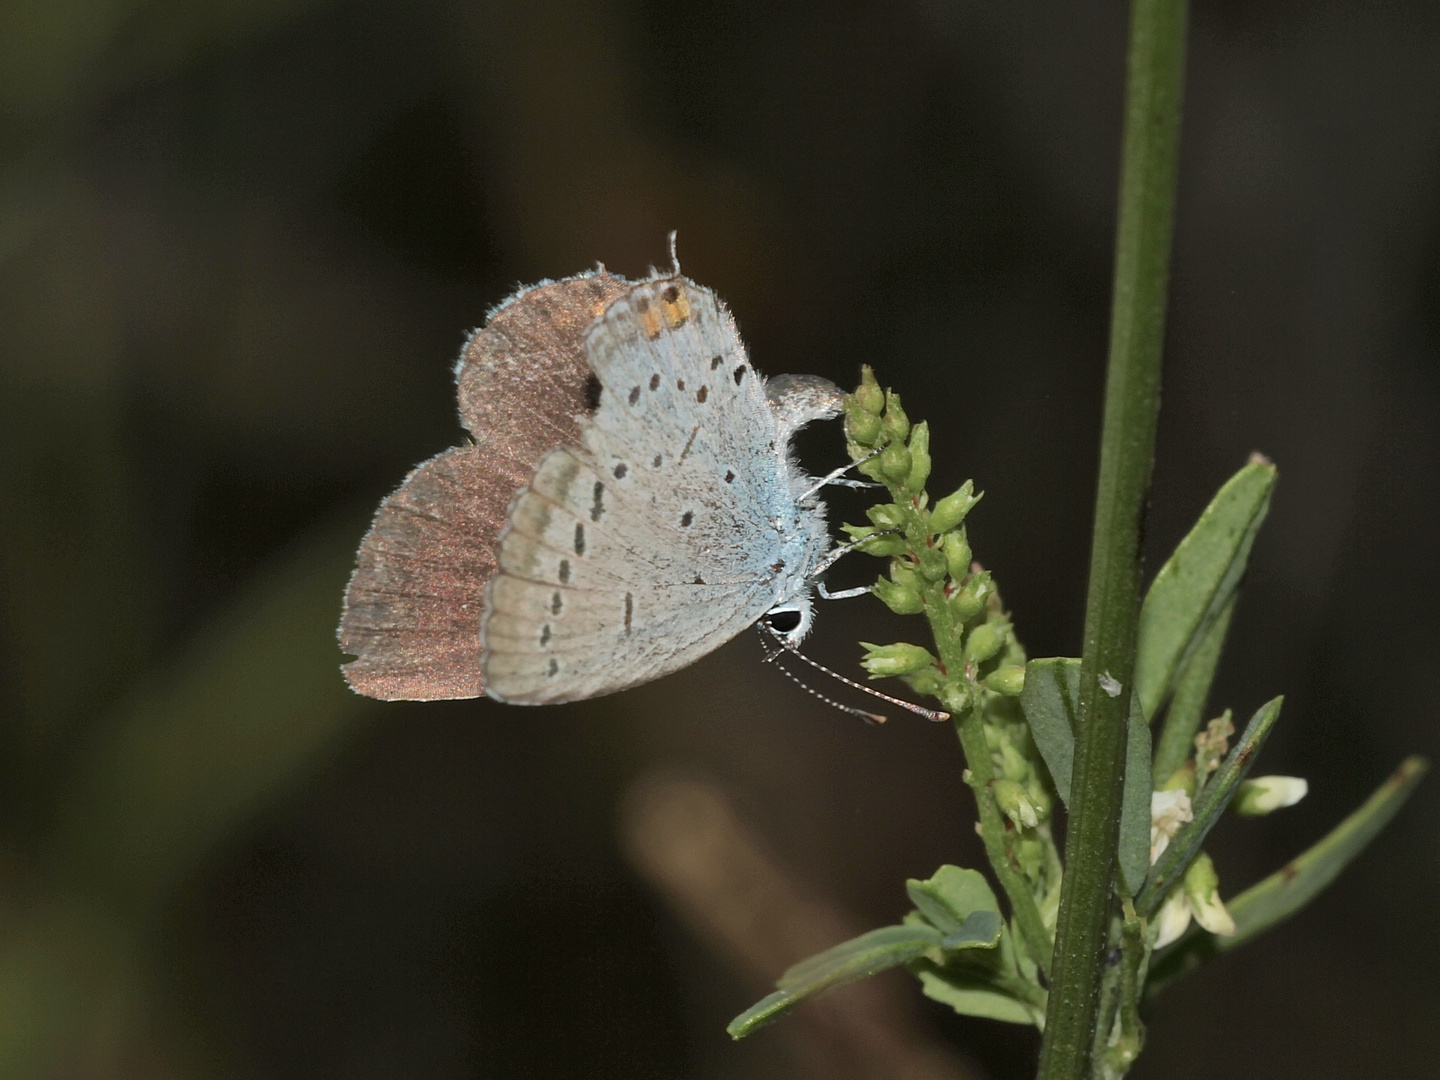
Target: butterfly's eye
point(782, 622)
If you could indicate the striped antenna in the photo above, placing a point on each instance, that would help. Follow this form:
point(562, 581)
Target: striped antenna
point(782, 646)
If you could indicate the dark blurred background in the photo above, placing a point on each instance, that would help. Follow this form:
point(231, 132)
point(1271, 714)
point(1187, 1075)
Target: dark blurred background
point(241, 243)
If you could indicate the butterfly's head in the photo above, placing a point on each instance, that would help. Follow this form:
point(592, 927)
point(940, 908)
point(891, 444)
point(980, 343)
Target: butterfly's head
point(791, 619)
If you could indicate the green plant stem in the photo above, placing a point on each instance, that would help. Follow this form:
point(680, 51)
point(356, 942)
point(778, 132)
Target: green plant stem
point(1154, 81)
point(992, 830)
point(970, 726)
point(1109, 990)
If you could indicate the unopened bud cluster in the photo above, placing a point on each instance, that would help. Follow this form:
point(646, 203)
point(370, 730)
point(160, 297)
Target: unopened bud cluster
point(930, 561)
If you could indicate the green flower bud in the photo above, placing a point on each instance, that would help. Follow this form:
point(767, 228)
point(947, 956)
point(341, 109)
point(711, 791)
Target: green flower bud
point(1015, 804)
point(957, 551)
point(919, 458)
point(1040, 797)
point(1263, 794)
point(868, 394)
point(886, 516)
point(1030, 854)
point(1202, 889)
point(951, 510)
point(970, 600)
point(1182, 779)
point(862, 427)
point(926, 681)
point(932, 563)
point(956, 696)
point(883, 661)
point(883, 542)
point(1013, 765)
point(984, 641)
point(896, 422)
point(870, 467)
point(1008, 680)
point(895, 462)
point(900, 599)
point(886, 545)
point(902, 573)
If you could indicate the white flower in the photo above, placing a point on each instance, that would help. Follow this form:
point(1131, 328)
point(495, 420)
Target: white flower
point(1173, 919)
point(1198, 897)
point(1261, 795)
point(1168, 811)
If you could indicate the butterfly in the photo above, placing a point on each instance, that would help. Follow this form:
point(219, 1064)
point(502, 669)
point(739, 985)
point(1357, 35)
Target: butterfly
point(629, 503)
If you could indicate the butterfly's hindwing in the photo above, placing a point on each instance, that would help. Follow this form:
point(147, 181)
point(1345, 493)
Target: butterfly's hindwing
point(681, 452)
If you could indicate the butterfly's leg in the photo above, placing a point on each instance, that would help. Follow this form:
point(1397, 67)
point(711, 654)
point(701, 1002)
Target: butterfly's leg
point(835, 477)
point(843, 594)
point(845, 549)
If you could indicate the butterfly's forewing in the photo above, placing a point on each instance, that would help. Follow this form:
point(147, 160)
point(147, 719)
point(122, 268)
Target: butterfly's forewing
point(655, 542)
point(413, 606)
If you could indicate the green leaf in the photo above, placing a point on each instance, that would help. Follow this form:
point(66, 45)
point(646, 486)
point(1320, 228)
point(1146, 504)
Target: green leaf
point(1209, 805)
point(1133, 851)
point(1050, 701)
point(1198, 580)
point(1294, 885)
point(949, 897)
point(865, 955)
point(973, 996)
point(1187, 707)
point(859, 958)
point(981, 930)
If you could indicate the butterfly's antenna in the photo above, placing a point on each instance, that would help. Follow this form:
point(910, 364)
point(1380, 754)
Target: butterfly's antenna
point(674, 258)
point(868, 717)
point(785, 647)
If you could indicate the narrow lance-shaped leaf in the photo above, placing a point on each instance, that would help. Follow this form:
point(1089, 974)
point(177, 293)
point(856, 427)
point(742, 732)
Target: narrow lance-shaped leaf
point(868, 954)
point(1198, 580)
point(1294, 885)
point(1192, 691)
point(1209, 805)
point(1050, 702)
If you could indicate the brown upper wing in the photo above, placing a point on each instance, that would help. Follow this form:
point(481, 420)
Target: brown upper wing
point(413, 606)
